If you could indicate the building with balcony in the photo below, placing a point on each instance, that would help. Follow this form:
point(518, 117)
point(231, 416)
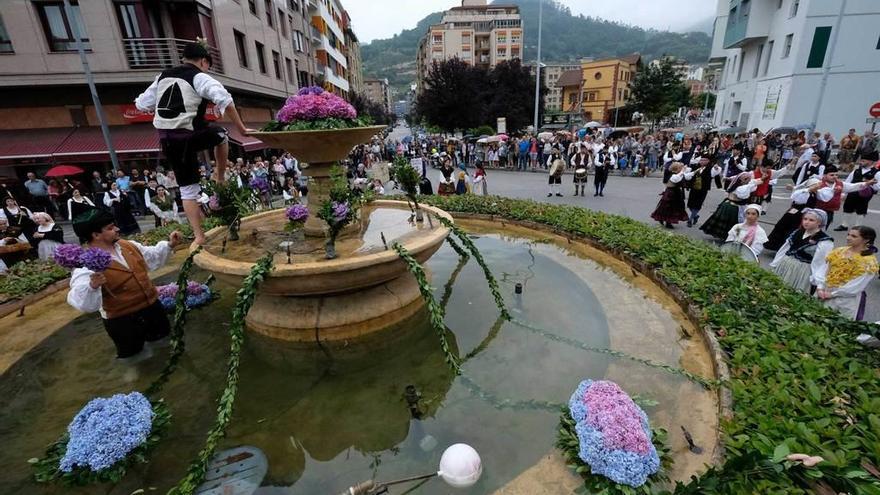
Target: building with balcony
point(328, 20)
point(774, 57)
point(378, 91)
point(476, 32)
point(353, 55)
point(260, 49)
point(599, 86)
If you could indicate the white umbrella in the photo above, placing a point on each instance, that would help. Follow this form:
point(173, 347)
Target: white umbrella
point(483, 140)
point(592, 124)
point(545, 135)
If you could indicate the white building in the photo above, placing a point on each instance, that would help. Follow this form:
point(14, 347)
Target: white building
point(776, 55)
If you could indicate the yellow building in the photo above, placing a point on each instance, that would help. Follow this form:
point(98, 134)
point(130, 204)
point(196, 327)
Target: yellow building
point(599, 86)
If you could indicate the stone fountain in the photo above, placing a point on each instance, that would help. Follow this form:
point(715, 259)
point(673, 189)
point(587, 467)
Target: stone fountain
point(307, 297)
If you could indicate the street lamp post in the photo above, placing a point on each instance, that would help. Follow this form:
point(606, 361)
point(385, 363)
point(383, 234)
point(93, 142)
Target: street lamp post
point(824, 83)
point(538, 64)
point(99, 110)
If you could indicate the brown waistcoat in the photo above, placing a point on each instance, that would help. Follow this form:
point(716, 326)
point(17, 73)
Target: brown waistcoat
point(128, 289)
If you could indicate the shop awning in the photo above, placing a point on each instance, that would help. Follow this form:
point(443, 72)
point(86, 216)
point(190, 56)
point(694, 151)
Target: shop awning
point(87, 143)
point(247, 142)
point(17, 146)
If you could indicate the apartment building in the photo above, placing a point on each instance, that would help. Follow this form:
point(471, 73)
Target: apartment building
point(378, 91)
point(476, 32)
point(353, 56)
point(599, 86)
point(550, 73)
point(263, 51)
point(329, 21)
point(796, 62)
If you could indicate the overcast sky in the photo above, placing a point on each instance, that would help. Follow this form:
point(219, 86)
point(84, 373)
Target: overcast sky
point(378, 19)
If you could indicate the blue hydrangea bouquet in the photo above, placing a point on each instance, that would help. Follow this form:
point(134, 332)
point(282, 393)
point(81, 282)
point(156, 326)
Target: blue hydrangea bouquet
point(104, 439)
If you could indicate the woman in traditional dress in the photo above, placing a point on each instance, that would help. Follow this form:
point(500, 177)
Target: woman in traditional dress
point(48, 236)
point(670, 209)
point(847, 271)
point(462, 187)
point(117, 201)
point(480, 180)
point(749, 232)
point(729, 212)
point(78, 204)
point(19, 219)
point(800, 259)
point(163, 206)
point(446, 186)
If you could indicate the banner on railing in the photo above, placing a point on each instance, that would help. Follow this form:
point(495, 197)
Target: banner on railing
point(132, 115)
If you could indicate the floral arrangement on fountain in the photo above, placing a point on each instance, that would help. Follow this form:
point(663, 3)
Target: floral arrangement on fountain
point(605, 433)
point(339, 209)
point(296, 215)
point(407, 179)
point(313, 109)
point(196, 295)
point(106, 437)
point(228, 203)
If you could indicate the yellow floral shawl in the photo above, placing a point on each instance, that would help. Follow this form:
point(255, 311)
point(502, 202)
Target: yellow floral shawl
point(843, 268)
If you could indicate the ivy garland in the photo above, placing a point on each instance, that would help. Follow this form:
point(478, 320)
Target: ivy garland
point(436, 312)
point(243, 302)
point(458, 249)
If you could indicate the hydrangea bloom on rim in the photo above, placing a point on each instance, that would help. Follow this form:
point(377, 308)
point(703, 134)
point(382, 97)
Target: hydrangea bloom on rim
point(614, 433)
point(67, 255)
point(106, 430)
point(314, 103)
point(297, 213)
point(340, 211)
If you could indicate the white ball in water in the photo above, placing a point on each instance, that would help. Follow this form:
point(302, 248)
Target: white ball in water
point(460, 466)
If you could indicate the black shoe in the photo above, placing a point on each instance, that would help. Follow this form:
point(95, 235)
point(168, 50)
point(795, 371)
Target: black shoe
point(595, 194)
point(549, 194)
point(582, 194)
point(690, 223)
point(669, 225)
point(559, 194)
point(600, 194)
point(841, 228)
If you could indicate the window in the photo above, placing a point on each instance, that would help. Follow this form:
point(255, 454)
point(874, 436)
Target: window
point(572, 98)
point(598, 76)
point(437, 55)
point(269, 20)
point(768, 58)
point(502, 38)
point(758, 61)
point(742, 62)
point(779, 4)
point(514, 52)
point(820, 45)
point(515, 38)
point(465, 53)
point(261, 56)
point(5, 42)
point(298, 41)
point(733, 67)
point(241, 48)
point(289, 66)
point(744, 9)
point(795, 4)
point(276, 64)
point(437, 39)
point(281, 22)
point(786, 48)
point(502, 52)
point(303, 80)
point(878, 43)
point(294, 5)
point(252, 5)
point(59, 29)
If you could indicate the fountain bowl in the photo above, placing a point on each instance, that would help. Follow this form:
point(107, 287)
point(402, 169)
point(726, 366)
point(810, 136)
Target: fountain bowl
point(319, 146)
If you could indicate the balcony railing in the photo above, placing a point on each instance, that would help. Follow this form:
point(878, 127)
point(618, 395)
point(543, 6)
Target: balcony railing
point(161, 53)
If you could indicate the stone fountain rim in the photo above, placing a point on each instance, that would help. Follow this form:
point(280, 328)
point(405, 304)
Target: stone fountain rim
point(218, 264)
point(257, 134)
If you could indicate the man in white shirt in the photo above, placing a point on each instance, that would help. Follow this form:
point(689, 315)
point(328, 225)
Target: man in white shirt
point(179, 97)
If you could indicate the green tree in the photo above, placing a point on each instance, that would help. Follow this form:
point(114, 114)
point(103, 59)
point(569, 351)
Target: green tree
point(366, 106)
point(658, 91)
point(699, 101)
point(510, 93)
point(453, 97)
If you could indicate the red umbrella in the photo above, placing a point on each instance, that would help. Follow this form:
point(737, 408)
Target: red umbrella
point(64, 171)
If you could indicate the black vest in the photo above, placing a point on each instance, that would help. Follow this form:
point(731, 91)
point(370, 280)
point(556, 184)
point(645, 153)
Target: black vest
point(804, 249)
point(179, 106)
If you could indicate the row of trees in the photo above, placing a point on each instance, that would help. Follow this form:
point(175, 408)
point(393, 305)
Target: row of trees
point(658, 91)
point(460, 96)
point(366, 106)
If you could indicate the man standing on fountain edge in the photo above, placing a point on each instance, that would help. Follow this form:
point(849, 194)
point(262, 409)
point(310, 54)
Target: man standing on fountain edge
point(179, 97)
point(124, 294)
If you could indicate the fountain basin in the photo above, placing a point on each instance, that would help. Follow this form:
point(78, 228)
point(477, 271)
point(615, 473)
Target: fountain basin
point(365, 289)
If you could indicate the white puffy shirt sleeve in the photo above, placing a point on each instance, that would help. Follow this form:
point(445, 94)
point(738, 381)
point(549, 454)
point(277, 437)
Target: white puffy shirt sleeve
point(854, 287)
point(211, 89)
point(146, 101)
point(849, 187)
point(819, 266)
point(825, 194)
point(81, 295)
point(744, 191)
point(675, 179)
point(155, 256)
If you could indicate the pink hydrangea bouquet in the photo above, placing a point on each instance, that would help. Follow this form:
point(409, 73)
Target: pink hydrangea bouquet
point(313, 108)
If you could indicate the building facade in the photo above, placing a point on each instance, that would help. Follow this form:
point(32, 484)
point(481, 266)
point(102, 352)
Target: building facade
point(353, 55)
point(550, 73)
point(603, 86)
point(796, 62)
point(328, 35)
point(378, 91)
point(263, 51)
point(476, 32)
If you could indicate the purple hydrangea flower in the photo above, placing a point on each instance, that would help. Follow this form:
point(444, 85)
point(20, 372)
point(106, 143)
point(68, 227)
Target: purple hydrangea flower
point(67, 256)
point(297, 213)
point(340, 211)
point(309, 105)
point(196, 295)
point(95, 259)
point(168, 290)
point(106, 430)
point(214, 202)
point(614, 433)
point(195, 288)
point(260, 184)
point(310, 90)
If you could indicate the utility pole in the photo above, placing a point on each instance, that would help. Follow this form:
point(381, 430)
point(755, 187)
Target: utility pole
point(538, 64)
point(99, 110)
point(827, 68)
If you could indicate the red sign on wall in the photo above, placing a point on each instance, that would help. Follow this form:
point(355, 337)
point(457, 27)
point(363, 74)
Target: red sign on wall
point(132, 115)
point(874, 111)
